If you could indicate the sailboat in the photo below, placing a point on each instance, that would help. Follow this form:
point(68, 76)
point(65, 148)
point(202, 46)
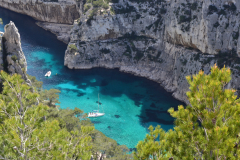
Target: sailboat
point(95, 113)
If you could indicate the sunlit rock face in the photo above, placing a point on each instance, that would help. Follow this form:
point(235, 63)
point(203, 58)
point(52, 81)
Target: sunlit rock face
point(49, 11)
point(161, 40)
point(13, 57)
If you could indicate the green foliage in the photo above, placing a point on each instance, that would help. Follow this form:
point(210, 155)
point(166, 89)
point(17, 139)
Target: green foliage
point(14, 58)
point(72, 47)
point(206, 129)
point(50, 97)
point(87, 6)
point(37, 84)
point(150, 147)
point(73, 120)
point(26, 134)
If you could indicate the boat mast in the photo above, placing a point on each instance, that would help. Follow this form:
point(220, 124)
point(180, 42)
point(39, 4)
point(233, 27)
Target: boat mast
point(98, 102)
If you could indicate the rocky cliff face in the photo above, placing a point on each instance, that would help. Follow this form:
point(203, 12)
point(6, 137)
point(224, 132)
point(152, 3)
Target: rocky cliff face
point(62, 11)
point(60, 14)
point(160, 40)
point(12, 57)
point(163, 40)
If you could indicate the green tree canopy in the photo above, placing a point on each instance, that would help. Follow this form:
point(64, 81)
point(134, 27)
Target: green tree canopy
point(26, 134)
point(208, 128)
point(50, 97)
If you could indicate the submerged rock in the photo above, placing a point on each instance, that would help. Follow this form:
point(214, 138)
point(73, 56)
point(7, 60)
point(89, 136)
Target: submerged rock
point(117, 116)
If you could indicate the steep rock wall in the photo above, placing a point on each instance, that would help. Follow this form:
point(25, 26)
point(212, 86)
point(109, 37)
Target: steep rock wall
point(161, 40)
point(56, 12)
point(209, 26)
point(13, 57)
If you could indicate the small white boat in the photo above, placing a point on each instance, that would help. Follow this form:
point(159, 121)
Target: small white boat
point(95, 113)
point(48, 74)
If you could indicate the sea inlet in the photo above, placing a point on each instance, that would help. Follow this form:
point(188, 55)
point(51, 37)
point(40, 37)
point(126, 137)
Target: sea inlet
point(130, 103)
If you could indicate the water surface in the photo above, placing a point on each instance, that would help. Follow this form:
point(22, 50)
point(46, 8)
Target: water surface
point(130, 103)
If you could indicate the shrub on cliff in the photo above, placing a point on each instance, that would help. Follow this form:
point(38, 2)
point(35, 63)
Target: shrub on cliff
point(209, 128)
point(73, 47)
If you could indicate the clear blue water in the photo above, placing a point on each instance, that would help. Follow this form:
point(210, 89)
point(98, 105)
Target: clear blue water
point(130, 103)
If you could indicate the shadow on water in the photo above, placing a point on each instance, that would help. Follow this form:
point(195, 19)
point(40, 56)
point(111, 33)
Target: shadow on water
point(152, 100)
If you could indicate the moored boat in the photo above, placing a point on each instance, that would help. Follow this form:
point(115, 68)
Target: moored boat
point(96, 113)
point(48, 74)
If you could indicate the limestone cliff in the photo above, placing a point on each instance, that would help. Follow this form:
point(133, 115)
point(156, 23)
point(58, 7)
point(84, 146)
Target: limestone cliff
point(12, 58)
point(160, 40)
point(163, 40)
point(56, 11)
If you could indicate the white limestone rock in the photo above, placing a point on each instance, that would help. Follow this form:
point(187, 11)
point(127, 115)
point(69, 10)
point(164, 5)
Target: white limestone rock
point(16, 61)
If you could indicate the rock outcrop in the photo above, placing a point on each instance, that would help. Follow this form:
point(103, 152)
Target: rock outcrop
point(161, 40)
point(13, 56)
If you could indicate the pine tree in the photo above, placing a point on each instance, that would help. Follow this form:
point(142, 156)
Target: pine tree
point(26, 134)
point(50, 96)
point(208, 128)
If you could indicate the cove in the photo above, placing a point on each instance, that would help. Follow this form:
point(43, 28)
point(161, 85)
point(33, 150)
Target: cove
point(130, 103)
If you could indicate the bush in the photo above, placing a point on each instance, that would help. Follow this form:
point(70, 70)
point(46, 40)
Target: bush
point(105, 6)
point(87, 7)
point(14, 58)
point(73, 47)
point(97, 3)
point(206, 129)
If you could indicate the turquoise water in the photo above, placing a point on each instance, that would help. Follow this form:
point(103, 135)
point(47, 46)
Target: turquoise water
point(130, 103)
